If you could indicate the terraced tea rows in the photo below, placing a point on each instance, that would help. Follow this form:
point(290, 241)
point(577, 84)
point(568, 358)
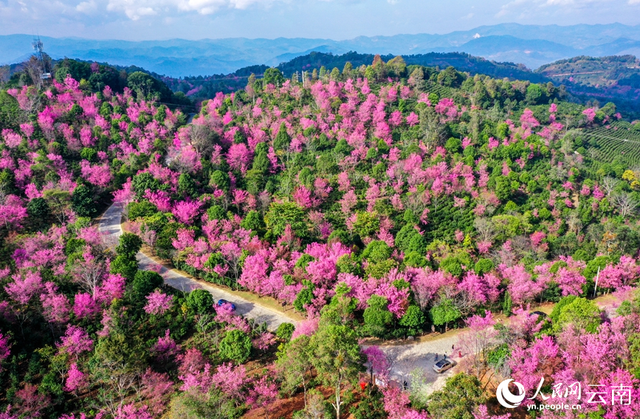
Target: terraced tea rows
point(619, 142)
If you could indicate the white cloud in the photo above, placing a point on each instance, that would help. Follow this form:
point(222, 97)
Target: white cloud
point(524, 8)
point(87, 7)
point(135, 9)
point(574, 3)
point(632, 2)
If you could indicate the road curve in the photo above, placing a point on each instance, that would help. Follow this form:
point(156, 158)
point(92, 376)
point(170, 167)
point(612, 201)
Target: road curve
point(407, 359)
point(110, 229)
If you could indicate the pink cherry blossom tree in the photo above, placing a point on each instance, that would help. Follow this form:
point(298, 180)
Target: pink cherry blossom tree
point(76, 379)
point(158, 303)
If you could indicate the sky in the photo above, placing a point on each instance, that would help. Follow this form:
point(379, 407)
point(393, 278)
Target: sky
point(333, 19)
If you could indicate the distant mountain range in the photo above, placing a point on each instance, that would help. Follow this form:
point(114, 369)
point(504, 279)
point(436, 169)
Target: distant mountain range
point(531, 45)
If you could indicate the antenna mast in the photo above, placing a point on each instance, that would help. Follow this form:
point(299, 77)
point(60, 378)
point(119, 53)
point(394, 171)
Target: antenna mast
point(38, 47)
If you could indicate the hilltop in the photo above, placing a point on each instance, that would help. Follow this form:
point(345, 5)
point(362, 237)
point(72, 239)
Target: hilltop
point(587, 79)
point(594, 71)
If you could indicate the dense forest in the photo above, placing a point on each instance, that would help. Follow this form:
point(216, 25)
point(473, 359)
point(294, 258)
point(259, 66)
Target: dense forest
point(379, 201)
point(587, 79)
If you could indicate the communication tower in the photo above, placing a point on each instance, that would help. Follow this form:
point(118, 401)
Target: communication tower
point(38, 47)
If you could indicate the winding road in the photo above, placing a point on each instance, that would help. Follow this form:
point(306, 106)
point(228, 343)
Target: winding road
point(110, 229)
point(408, 358)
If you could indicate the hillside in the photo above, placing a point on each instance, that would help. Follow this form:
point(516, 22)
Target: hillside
point(587, 79)
point(604, 79)
point(205, 87)
point(593, 71)
point(379, 201)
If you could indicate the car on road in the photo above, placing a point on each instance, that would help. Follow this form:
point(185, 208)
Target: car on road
point(443, 365)
point(222, 302)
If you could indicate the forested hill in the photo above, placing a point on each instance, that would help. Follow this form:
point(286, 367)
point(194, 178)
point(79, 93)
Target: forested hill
point(621, 70)
point(379, 201)
point(206, 86)
point(588, 79)
point(461, 61)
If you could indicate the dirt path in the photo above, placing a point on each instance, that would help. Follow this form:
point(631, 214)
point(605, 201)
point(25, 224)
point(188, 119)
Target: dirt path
point(111, 229)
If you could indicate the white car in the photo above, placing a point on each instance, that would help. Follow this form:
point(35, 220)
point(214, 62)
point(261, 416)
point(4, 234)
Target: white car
point(443, 365)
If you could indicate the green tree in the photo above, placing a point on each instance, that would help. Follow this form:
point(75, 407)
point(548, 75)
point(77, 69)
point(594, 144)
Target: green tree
point(59, 203)
point(450, 77)
point(507, 304)
point(83, 201)
point(220, 180)
point(377, 316)
point(453, 145)
point(125, 266)
point(304, 297)
point(458, 399)
point(282, 140)
point(142, 182)
point(213, 404)
point(293, 365)
point(129, 244)
point(141, 209)
point(148, 87)
point(483, 266)
point(235, 346)
point(216, 212)
point(634, 351)
point(284, 331)
point(144, 282)
point(337, 359)
point(409, 239)
point(371, 406)
point(581, 313)
point(444, 312)
point(117, 359)
point(415, 260)
point(200, 301)
point(413, 319)
point(366, 224)
point(273, 76)
point(377, 251)
point(38, 209)
point(253, 221)
point(557, 309)
point(261, 161)
point(534, 94)
point(342, 147)
point(287, 213)
point(187, 186)
point(78, 70)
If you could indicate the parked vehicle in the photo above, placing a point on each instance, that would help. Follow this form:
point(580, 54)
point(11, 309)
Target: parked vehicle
point(540, 314)
point(222, 302)
point(443, 365)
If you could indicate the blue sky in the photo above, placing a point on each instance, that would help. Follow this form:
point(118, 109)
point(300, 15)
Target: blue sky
point(335, 19)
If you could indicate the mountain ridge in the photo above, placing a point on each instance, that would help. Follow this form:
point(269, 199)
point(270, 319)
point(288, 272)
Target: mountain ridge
point(183, 57)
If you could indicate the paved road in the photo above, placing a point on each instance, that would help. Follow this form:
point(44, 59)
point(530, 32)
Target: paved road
point(110, 229)
point(407, 358)
point(410, 357)
point(414, 361)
